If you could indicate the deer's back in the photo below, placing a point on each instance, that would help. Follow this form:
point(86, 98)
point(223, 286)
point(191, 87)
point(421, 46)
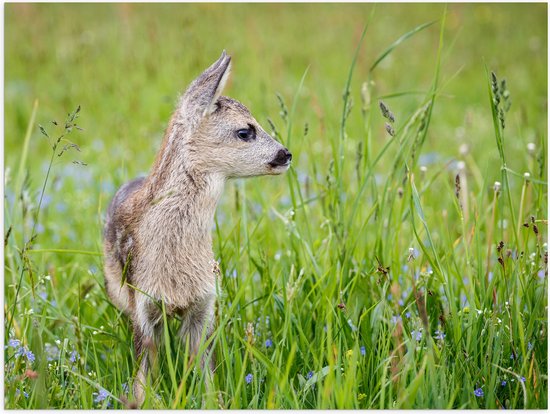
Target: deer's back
point(115, 223)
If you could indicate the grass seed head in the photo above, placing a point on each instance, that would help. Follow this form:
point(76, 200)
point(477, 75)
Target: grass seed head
point(386, 113)
point(390, 130)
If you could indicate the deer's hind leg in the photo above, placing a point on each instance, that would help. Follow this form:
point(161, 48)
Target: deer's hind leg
point(147, 324)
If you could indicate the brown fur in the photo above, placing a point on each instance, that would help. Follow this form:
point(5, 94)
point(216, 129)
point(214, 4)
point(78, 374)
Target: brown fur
point(158, 228)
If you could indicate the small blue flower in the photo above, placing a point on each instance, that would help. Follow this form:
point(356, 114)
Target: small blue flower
point(400, 302)
point(309, 374)
point(512, 356)
point(417, 335)
point(125, 388)
point(14, 343)
point(541, 274)
point(52, 352)
point(479, 392)
point(363, 350)
point(522, 379)
point(74, 357)
point(101, 396)
point(248, 378)
point(268, 343)
point(408, 315)
point(30, 356)
point(439, 335)
point(18, 393)
point(503, 383)
point(20, 351)
point(529, 346)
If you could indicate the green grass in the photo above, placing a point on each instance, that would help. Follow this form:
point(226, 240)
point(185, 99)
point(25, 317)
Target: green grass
point(352, 265)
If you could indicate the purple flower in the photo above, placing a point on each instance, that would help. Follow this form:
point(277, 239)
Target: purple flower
point(18, 392)
point(248, 378)
point(522, 379)
point(309, 374)
point(268, 343)
point(408, 315)
point(20, 351)
point(478, 392)
point(400, 302)
point(503, 383)
point(417, 335)
point(529, 346)
point(14, 343)
point(540, 274)
point(363, 350)
point(101, 396)
point(74, 357)
point(30, 356)
point(52, 352)
point(439, 335)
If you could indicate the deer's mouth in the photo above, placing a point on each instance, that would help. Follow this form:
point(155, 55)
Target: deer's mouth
point(282, 166)
point(276, 169)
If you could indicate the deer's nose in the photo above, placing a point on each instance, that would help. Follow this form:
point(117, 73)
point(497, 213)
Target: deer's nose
point(283, 157)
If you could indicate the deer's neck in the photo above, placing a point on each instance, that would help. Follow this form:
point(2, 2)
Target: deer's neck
point(190, 195)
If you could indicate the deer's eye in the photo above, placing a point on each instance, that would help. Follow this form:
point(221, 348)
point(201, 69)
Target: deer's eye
point(247, 134)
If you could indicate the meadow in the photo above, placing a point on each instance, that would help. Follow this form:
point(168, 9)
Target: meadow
point(400, 263)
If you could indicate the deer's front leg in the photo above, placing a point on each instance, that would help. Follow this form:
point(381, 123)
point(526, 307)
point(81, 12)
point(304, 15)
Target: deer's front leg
point(197, 324)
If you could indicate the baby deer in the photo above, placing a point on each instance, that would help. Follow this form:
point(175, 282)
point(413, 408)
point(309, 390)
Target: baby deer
point(157, 241)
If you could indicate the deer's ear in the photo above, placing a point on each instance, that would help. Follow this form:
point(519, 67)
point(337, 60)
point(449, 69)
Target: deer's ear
point(201, 96)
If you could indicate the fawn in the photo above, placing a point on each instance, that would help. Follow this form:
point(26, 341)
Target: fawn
point(157, 236)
